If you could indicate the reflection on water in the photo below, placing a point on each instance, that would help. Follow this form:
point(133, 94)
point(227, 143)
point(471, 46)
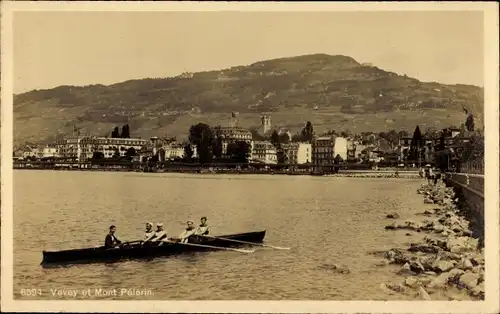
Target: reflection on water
point(324, 221)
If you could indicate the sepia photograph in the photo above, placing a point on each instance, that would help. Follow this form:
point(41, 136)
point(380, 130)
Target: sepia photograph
point(250, 152)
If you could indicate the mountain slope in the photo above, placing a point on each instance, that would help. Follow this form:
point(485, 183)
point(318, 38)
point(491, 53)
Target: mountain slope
point(334, 92)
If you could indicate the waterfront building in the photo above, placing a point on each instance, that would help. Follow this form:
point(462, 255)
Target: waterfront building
point(264, 152)
point(40, 152)
point(174, 150)
point(297, 153)
point(323, 149)
point(83, 148)
point(232, 134)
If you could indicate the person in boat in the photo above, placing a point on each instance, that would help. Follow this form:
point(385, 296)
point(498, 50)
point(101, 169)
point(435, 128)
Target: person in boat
point(203, 227)
point(189, 231)
point(149, 234)
point(160, 233)
point(111, 241)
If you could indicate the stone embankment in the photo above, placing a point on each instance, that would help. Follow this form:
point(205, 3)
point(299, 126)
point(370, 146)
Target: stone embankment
point(447, 262)
point(381, 174)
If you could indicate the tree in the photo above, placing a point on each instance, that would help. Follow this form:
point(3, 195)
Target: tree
point(188, 152)
point(239, 151)
point(469, 123)
point(275, 138)
point(116, 154)
point(130, 153)
point(281, 157)
point(284, 138)
point(125, 131)
point(115, 133)
point(308, 131)
point(97, 156)
point(217, 142)
point(416, 145)
point(202, 136)
point(338, 159)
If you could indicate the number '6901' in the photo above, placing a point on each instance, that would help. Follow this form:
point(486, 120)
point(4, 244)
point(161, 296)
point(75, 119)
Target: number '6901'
point(31, 292)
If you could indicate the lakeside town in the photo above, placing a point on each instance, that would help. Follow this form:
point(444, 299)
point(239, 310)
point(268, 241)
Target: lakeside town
point(222, 148)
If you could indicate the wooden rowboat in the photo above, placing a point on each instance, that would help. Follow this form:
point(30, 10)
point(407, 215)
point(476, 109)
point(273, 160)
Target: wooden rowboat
point(150, 250)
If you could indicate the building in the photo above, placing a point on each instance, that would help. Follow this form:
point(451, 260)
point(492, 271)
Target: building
point(231, 135)
point(340, 147)
point(40, 152)
point(83, 148)
point(173, 150)
point(264, 152)
point(323, 148)
point(297, 153)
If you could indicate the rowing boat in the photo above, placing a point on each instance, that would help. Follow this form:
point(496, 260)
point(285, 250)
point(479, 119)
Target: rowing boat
point(149, 250)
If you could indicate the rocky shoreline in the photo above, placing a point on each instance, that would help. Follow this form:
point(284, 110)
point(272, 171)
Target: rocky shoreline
point(446, 262)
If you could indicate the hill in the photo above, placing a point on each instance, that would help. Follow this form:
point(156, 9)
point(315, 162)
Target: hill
point(333, 92)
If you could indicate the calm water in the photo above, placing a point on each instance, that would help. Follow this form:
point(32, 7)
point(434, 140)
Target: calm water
point(324, 220)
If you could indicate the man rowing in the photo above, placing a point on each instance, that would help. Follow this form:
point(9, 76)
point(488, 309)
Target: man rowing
point(111, 241)
point(160, 234)
point(203, 227)
point(149, 234)
point(189, 231)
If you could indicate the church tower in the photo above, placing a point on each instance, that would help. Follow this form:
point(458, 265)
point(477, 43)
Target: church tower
point(265, 119)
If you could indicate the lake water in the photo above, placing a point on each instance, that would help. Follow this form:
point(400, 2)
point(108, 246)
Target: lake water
point(324, 220)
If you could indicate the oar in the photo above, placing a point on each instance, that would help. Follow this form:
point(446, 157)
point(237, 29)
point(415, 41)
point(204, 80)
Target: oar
point(213, 247)
point(251, 243)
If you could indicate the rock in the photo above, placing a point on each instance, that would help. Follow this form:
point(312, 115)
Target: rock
point(469, 280)
point(422, 248)
point(461, 244)
point(424, 281)
point(397, 288)
point(408, 234)
point(477, 260)
point(464, 264)
point(428, 201)
point(428, 213)
point(392, 226)
point(417, 267)
point(438, 228)
point(442, 266)
point(411, 282)
point(478, 291)
point(386, 289)
point(423, 294)
point(440, 281)
point(449, 256)
point(337, 268)
point(430, 273)
point(406, 270)
point(397, 257)
point(392, 215)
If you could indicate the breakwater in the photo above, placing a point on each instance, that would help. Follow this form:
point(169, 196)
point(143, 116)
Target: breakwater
point(445, 259)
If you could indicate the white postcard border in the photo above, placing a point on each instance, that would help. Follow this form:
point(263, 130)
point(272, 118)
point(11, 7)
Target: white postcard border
point(490, 305)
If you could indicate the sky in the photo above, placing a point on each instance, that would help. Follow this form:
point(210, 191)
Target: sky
point(82, 48)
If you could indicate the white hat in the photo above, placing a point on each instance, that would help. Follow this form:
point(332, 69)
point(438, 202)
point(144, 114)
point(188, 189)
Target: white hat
point(148, 223)
point(190, 221)
point(159, 224)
